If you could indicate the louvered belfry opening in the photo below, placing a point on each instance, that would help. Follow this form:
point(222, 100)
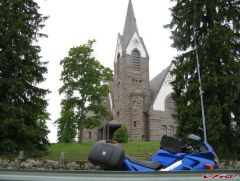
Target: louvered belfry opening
point(135, 59)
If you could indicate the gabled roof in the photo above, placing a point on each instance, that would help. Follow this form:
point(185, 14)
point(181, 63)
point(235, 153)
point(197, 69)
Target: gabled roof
point(130, 26)
point(157, 82)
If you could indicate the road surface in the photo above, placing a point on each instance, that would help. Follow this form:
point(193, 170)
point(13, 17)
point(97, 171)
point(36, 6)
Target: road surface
point(20, 175)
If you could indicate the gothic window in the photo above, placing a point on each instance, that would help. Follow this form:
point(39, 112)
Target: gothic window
point(170, 105)
point(118, 64)
point(89, 135)
point(135, 59)
point(118, 114)
point(170, 131)
point(163, 130)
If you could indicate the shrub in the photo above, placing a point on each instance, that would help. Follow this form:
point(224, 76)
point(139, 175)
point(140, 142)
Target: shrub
point(121, 135)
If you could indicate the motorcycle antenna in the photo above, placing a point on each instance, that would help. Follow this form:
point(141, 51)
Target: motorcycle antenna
point(199, 73)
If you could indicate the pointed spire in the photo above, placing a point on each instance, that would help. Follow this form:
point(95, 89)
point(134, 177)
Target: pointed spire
point(130, 26)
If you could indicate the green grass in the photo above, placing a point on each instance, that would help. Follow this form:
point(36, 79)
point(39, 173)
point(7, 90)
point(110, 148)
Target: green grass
point(79, 152)
point(140, 148)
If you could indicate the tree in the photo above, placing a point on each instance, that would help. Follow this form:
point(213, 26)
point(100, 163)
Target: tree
point(66, 124)
point(217, 28)
point(85, 83)
point(22, 105)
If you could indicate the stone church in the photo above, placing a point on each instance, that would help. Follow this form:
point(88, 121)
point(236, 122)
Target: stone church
point(145, 107)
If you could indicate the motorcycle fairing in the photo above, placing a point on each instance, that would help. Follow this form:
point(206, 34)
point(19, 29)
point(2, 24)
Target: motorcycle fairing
point(166, 158)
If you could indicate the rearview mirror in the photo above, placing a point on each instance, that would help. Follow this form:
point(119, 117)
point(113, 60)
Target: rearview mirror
point(194, 137)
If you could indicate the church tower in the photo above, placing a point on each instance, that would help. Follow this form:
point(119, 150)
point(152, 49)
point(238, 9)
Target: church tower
point(131, 97)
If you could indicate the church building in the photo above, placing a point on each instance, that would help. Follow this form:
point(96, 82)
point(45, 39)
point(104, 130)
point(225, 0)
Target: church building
point(145, 107)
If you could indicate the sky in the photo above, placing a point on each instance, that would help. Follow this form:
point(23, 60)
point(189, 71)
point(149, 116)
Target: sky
point(74, 22)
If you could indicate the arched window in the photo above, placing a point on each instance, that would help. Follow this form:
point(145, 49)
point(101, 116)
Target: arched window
point(163, 130)
point(170, 105)
point(118, 64)
point(170, 131)
point(135, 59)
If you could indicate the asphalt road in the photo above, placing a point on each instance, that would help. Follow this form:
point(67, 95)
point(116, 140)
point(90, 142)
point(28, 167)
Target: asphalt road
point(20, 175)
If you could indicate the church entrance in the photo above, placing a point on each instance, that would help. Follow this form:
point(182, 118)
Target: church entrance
point(106, 132)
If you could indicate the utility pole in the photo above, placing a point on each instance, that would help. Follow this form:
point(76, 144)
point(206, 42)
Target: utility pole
point(199, 74)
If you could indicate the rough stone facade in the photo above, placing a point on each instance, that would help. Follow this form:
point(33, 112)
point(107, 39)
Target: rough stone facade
point(91, 134)
point(161, 123)
point(133, 96)
point(132, 99)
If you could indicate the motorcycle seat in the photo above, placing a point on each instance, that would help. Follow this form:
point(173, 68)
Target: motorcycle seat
point(172, 144)
point(149, 164)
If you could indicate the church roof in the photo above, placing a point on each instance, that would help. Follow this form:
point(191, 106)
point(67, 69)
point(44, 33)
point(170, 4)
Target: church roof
point(114, 122)
point(130, 26)
point(157, 82)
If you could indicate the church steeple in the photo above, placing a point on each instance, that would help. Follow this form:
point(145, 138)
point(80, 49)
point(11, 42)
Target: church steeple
point(130, 39)
point(131, 79)
point(130, 26)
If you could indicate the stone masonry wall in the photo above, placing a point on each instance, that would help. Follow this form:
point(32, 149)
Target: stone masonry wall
point(137, 121)
point(159, 120)
point(90, 134)
point(30, 164)
point(127, 85)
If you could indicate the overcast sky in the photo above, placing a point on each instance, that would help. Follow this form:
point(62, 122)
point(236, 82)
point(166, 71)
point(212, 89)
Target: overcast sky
point(74, 22)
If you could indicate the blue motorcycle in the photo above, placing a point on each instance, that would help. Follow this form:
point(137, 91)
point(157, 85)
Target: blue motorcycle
point(173, 155)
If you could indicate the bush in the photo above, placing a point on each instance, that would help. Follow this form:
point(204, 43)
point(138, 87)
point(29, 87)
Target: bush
point(121, 135)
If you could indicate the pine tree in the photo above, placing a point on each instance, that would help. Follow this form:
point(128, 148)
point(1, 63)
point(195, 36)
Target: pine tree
point(22, 105)
point(85, 84)
point(66, 123)
point(217, 28)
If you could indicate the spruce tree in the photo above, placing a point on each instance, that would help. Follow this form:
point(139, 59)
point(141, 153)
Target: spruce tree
point(67, 127)
point(217, 28)
point(22, 105)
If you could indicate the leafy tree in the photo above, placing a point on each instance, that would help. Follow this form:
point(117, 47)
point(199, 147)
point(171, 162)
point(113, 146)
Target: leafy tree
point(22, 105)
point(85, 83)
point(121, 135)
point(217, 28)
point(66, 124)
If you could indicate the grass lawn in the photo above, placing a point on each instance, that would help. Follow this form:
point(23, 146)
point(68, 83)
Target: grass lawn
point(79, 152)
